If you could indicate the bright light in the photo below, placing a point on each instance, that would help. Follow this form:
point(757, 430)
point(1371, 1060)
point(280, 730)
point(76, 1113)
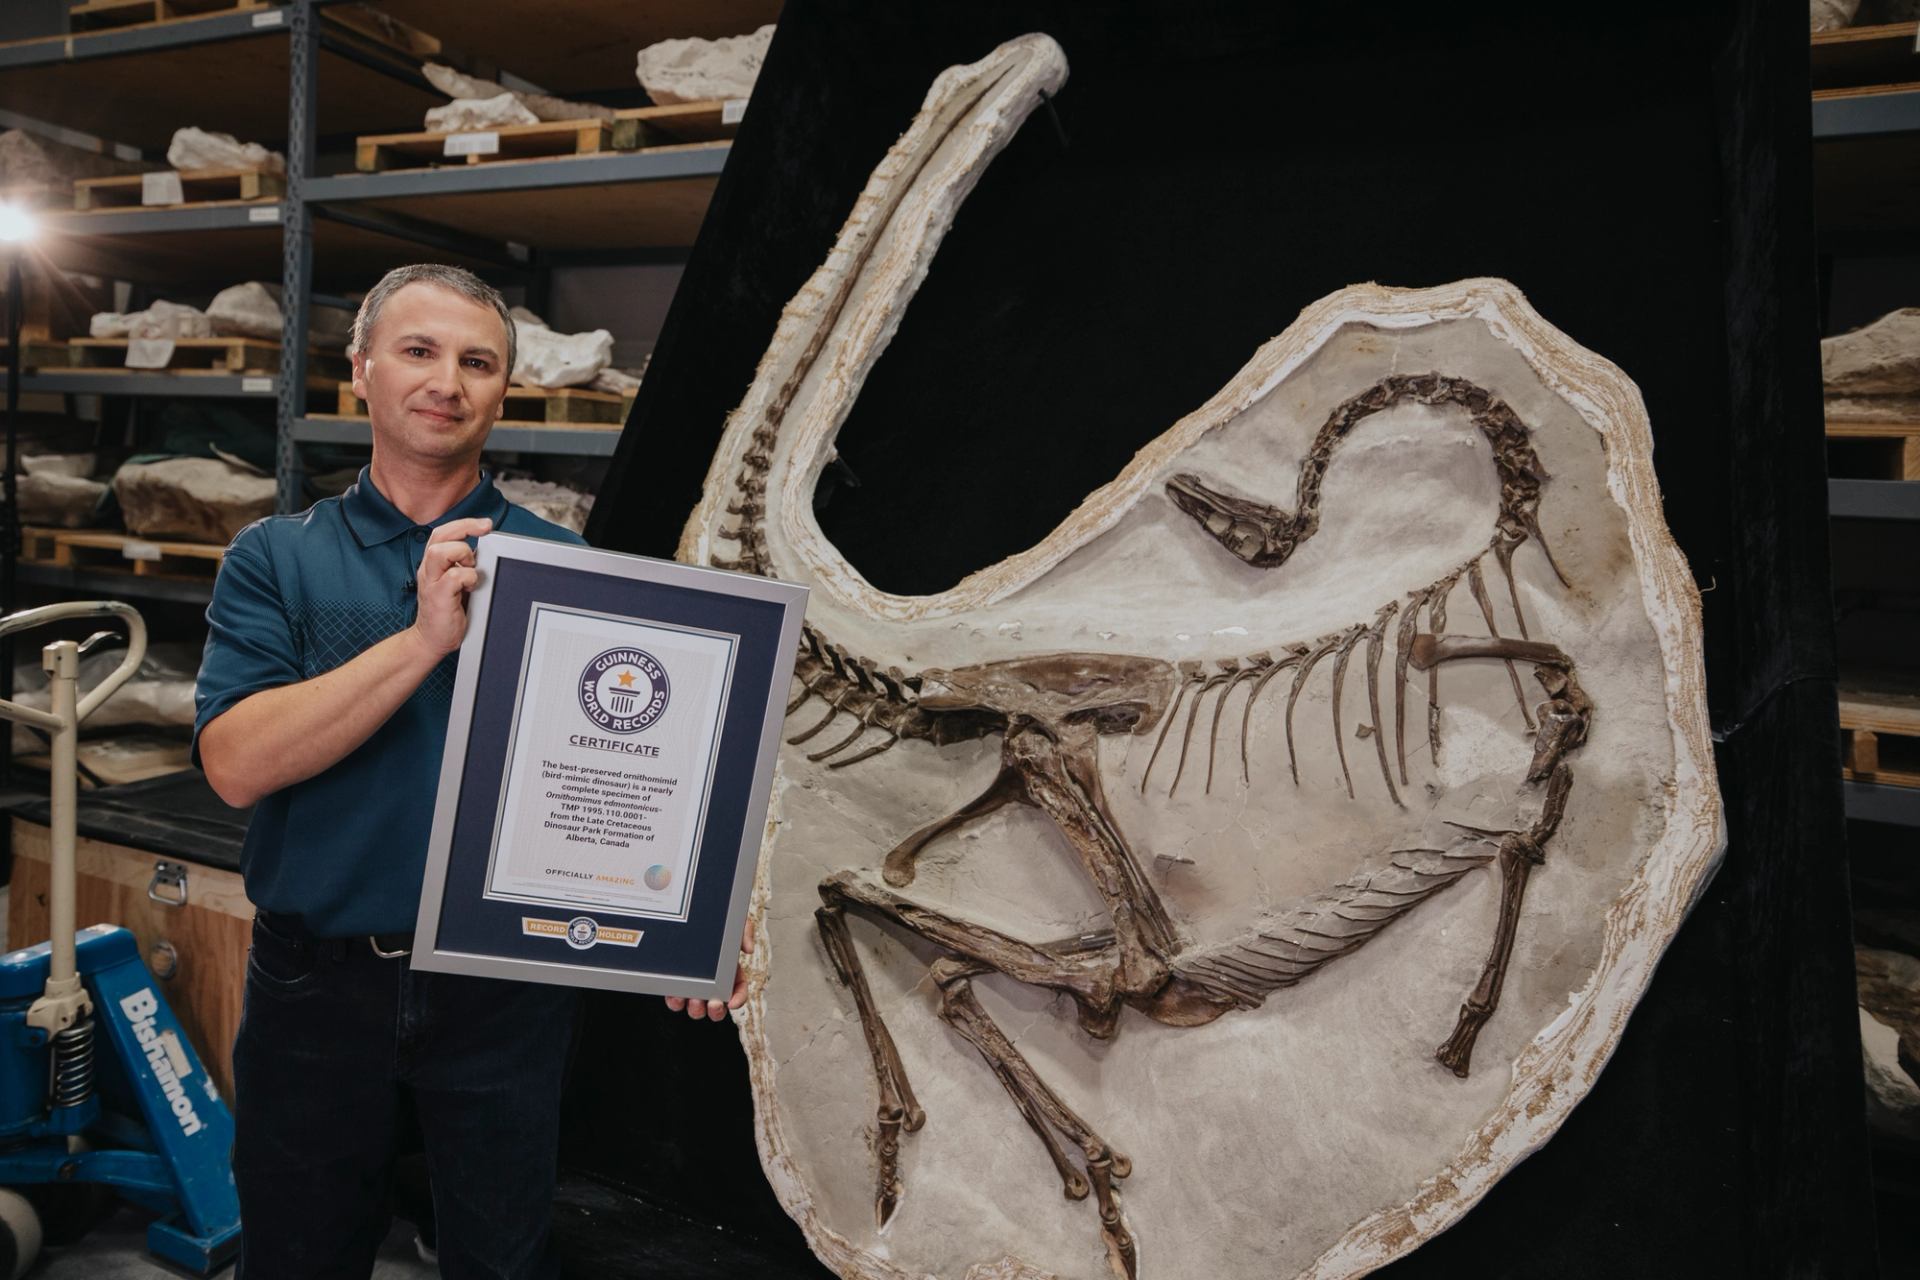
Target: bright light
point(16, 224)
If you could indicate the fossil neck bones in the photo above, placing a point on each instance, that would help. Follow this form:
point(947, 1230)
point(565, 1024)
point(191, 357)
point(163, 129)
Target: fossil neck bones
point(1112, 739)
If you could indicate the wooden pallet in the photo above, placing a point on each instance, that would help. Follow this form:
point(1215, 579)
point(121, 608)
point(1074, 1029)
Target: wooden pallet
point(226, 356)
point(1882, 732)
point(378, 152)
point(103, 549)
point(536, 407)
point(99, 15)
point(682, 122)
point(1874, 450)
point(39, 353)
point(1868, 55)
point(197, 186)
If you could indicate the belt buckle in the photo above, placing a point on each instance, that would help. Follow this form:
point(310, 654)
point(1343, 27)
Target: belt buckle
point(373, 941)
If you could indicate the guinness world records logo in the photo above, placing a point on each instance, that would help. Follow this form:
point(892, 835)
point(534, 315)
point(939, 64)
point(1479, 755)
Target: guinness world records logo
point(624, 690)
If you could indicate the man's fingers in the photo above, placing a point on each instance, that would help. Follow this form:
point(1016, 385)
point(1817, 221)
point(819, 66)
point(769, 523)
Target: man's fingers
point(716, 1011)
point(696, 1009)
point(452, 530)
point(746, 940)
point(676, 1003)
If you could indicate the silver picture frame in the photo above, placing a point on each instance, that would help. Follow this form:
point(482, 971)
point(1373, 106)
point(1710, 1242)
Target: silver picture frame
point(467, 918)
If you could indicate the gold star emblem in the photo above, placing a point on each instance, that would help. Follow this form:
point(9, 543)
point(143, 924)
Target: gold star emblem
point(626, 679)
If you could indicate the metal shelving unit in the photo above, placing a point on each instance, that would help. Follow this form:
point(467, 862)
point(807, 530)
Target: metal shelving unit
point(498, 218)
point(1866, 135)
point(580, 442)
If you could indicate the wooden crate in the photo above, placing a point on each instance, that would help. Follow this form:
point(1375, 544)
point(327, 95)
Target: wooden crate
point(197, 186)
point(377, 152)
point(535, 407)
point(200, 355)
point(209, 935)
point(102, 549)
point(1882, 732)
point(99, 15)
point(1874, 450)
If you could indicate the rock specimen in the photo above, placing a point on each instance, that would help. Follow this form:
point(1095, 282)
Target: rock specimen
point(1889, 986)
point(1873, 373)
point(544, 358)
point(160, 693)
point(58, 464)
point(28, 161)
point(250, 310)
point(193, 148)
point(63, 501)
point(1831, 15)
point(619, 382)
point(191, 499)
point(164, 320)
point(463, 114)
point(555, 502)
point(702, 70)
point(465, 90)
point(1362, 713)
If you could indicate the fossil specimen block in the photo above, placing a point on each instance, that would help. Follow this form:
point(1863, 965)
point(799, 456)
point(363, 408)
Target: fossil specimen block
point(1873, 373)
point(194, 148)
point(556, 502)
point(479, 113)
point(1241, 880)
point(545, 358)
point(466, 89)
point(192, 499)
point(57, 498)
point(696, 70)
point(1831, 15)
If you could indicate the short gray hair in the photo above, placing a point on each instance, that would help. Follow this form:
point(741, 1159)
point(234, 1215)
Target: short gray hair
point(458, 279)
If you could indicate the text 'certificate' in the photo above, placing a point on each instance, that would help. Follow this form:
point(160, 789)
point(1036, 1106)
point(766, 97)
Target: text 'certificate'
point(611, 763)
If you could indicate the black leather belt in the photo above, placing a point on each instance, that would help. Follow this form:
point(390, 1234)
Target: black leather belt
point(387, 946)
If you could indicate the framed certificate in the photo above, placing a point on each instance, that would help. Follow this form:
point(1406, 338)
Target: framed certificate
point(609, 758)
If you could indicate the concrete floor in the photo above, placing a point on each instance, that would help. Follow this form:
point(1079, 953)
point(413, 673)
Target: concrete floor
point(116, 1250)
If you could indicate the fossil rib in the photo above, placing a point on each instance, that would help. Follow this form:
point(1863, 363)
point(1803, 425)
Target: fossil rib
point(1340, 679)
point(1376, 641)
point(1293, 695)
point(1478, 583)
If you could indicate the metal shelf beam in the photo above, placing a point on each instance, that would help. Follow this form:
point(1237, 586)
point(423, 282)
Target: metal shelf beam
point(520, 175)
point(578, 442)
point(1874, 499)
point(79, 382)
point(1866, 115)
point(237, 25)
point(119, 222)
point(108, 583)
point(1877, 802)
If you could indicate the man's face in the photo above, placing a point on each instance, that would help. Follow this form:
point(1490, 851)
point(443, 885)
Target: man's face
point(433, 375)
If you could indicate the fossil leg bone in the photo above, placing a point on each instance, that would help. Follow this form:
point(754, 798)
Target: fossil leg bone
point(1520, 853)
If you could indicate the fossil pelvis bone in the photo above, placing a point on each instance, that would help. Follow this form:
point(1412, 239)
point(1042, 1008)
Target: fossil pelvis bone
point(1240, 880)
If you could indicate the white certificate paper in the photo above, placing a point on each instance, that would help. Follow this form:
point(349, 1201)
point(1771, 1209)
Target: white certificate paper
point(611, 764)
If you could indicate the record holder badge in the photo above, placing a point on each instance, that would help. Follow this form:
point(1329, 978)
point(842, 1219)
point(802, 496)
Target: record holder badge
point(608, 763)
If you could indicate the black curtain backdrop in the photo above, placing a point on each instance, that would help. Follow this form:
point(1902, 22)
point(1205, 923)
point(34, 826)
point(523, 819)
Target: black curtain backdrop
point(1642, 173)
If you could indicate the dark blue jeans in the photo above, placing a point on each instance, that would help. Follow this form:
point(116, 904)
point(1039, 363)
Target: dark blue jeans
point(333, 1042)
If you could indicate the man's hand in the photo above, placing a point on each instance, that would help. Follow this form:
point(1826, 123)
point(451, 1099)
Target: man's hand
point(713, 1009)
point(446, 574)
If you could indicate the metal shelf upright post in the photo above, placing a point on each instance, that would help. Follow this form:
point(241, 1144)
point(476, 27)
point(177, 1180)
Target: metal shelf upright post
point(296, 251)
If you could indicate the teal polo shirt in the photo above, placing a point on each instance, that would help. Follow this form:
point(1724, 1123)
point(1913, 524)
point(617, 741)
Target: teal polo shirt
point(297, 596)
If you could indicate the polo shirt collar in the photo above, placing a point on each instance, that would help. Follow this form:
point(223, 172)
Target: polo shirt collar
point(374, 520)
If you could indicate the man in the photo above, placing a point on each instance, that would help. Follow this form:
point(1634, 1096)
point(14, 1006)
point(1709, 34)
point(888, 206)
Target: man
point(322, 701)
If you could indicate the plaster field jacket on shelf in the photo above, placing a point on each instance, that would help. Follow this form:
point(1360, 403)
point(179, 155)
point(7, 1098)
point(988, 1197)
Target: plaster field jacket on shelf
point(297, 596)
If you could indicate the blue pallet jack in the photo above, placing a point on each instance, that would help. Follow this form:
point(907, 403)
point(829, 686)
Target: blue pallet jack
point(143, 1118)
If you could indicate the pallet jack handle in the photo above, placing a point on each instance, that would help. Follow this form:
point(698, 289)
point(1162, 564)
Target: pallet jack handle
point(65, 1001)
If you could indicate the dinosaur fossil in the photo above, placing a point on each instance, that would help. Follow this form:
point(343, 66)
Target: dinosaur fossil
point(915, 712)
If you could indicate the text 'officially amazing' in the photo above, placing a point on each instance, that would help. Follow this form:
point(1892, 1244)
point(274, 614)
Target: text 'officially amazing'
point(613, 744)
